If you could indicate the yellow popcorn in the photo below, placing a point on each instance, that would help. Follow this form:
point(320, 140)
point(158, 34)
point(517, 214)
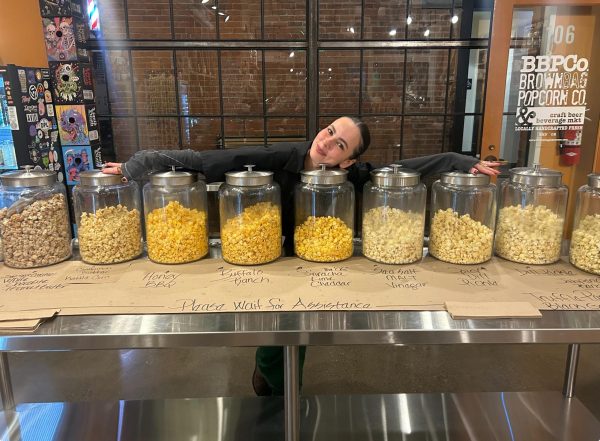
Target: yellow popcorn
point(323, 239)
point(585, 244)
point(110, 235)
point(176, 234)
point(459, 239)
point(254, 236)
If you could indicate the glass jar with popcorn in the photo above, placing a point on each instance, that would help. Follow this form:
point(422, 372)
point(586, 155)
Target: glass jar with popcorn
point(250, 217)
point(463, 213)
point(393, 216)
point(585, 241)
point(107, 212)
point(531, 216)
point(324, 212)
point(176, 219)
point(34, 223)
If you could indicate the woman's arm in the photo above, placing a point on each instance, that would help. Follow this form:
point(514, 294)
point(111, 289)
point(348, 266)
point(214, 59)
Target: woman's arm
point(212, 163)
point(444, 162)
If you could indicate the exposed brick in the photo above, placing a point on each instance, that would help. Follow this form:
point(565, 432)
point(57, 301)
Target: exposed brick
point(193, 20)
point(158, 133)
point(124, 138)
point(422, 136)
point(339, 76)
point(285, 82)
point(244, 19)
point(287, 22)
point(383, 72)
point(112, 19)
point(200, 133)
point(198, 77)
point(242, 82)
point(118, 77)
point(154, 82)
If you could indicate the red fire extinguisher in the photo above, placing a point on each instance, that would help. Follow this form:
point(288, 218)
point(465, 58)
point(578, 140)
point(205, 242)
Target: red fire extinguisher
point(570, 147)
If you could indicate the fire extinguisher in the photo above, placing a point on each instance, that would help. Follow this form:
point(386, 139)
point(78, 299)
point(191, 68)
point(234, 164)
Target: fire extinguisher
point(570, 147)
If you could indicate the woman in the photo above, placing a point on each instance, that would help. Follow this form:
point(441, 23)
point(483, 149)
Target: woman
point(338, 145)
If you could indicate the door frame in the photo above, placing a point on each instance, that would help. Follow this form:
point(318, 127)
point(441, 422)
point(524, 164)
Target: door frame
point(498, 63)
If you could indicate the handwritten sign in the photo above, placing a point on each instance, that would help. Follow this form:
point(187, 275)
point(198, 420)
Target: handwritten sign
point(160, 279)
point(238, 277)
point(327, 276)
point(92, 274)
point(479, 277)
point(400, 278)
point(30, 281)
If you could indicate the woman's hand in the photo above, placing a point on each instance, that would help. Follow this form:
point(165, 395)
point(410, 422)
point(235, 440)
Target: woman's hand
point(112, 168)
point(486, 168)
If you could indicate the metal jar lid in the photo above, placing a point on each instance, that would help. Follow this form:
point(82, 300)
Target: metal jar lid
point(395, 176)
point(173, 177)
point(536, 176)
point(249, 178)
point(594, 180)
point(95, 178)
point(324, 176)
point(28, 177)
point(466, 179)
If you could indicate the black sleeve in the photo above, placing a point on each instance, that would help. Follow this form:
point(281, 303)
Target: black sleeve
point(212, 163)
point(442, 162)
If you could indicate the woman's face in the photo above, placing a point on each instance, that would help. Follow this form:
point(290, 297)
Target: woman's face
point(335, 144)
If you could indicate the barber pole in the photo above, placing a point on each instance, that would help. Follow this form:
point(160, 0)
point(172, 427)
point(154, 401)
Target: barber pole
point(93, 16)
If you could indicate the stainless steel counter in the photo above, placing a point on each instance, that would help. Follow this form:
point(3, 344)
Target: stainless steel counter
point(300, 328)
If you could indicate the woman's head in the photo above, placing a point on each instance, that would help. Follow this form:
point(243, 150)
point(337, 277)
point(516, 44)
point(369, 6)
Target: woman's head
point(340, 143)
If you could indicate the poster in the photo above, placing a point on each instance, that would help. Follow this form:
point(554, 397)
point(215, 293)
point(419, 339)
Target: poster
point(8, 160)
point(72, 125)
point(77, 159)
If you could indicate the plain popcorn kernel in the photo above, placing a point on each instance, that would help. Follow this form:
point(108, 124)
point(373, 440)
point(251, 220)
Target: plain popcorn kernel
point(585, 244)
point(391, 235)
point(529, 235)
point(110, 235)
point(459, 239)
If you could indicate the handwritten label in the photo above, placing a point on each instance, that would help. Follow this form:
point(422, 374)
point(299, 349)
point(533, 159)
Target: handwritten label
point(92, 274)
point(478, 277)
point(238, 277)
point(402, 278)
point(576, 300)
point(585, 282)
point(544, 272)
point(326, 276)
point(160, 279)
point(31, 281)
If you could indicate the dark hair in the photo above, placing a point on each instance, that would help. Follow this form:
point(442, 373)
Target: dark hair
point(365, 136)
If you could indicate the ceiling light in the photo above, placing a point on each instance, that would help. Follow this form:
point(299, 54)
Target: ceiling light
point(352, 30)
point(213, 7)
point(292, 54)
point(426, 33)
point(204, 1)
point(454, 19)
point(291, 70)
point(221, 13)
point(226, 19)
point(392, 32)
point(408, 20)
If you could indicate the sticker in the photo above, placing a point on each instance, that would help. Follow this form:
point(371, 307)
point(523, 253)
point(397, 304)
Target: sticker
point(48, 96)
point(46, 85)
point(38, 75)
point(77, 159)
point(72, 125)
point(93, 135)
point(50, 110)
point(88, 95)
point(67, 83)
point(12, 118)
point(32, 117)
point(59, 37)
point(41, 108)
point(22, 80)
point(32, 131)
point(33, 92)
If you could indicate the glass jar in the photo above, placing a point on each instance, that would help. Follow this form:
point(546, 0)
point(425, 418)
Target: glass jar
point(176, 219)
point(463, 213)
point(324, 206)
point(35, 226)
point(250, 217)
point(585, 241)
point(107, 212)
point(393, 215)
point(531, 216)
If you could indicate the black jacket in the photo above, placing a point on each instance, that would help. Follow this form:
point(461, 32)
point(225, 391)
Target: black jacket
point(285, 160)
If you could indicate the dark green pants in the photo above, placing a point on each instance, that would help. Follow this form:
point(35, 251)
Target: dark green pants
point(269, 360)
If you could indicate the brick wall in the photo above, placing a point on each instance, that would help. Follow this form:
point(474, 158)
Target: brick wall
point(242, 82)
point(149, 19)
point(198, 80)
point(193, 20)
